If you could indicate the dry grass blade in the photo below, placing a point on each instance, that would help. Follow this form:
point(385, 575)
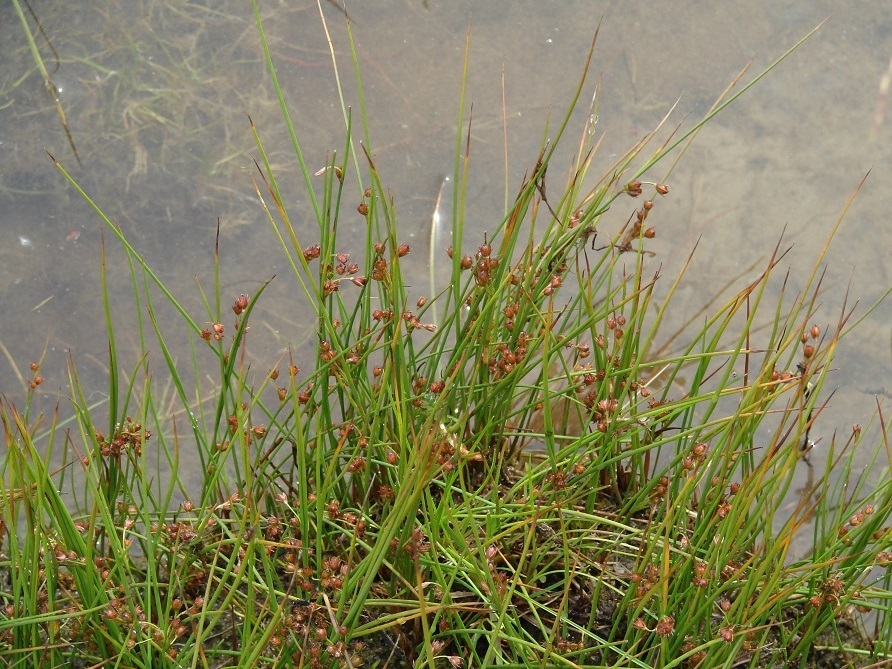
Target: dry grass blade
point(44, 73)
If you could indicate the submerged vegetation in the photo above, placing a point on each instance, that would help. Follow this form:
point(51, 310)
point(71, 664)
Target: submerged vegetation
point(515, 470)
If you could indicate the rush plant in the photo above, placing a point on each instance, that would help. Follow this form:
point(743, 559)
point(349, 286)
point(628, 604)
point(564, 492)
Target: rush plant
point(510, 471)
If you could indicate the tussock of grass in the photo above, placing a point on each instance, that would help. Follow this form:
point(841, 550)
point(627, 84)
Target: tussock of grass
point(522, 479)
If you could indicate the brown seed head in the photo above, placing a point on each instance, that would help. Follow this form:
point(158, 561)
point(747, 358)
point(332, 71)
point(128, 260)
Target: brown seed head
point(665, 626)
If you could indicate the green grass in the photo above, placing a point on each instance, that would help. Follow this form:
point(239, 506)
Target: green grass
point(523, 476)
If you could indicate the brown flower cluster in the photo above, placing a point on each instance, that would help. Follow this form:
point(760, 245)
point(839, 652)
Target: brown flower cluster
point(128, 437)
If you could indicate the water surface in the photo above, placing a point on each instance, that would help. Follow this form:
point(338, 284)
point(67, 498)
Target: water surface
point(157, 95)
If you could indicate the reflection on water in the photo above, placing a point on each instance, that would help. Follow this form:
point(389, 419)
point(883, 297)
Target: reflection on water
point(157, 95)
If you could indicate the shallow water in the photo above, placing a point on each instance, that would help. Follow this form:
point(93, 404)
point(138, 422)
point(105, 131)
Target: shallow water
point(157, 96)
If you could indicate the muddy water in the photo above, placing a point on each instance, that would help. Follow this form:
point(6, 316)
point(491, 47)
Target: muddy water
point(157, 96)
